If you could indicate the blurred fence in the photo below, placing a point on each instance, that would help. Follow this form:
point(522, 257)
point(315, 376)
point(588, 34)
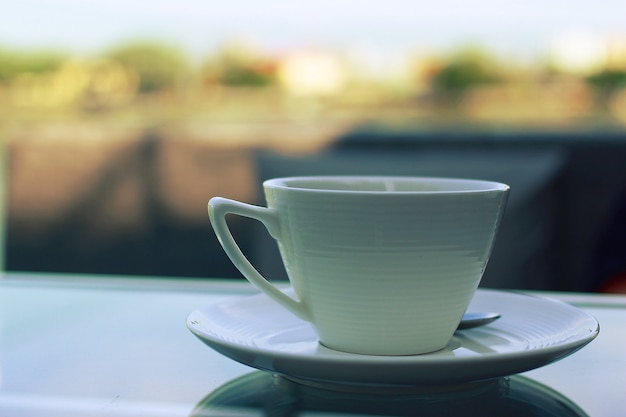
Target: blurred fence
point(135, 202)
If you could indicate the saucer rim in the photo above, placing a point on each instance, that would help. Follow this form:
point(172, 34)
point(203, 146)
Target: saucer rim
point(519, 361)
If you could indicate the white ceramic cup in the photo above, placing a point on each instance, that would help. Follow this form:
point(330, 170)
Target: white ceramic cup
point(379, 265)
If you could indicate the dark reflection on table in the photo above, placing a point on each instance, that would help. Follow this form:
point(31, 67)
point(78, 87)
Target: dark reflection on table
point(263, 394)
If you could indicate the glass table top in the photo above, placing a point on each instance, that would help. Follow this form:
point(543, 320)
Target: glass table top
point(74, 345)
point(514, 396)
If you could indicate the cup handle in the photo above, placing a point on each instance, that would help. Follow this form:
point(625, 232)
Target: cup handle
point(218, 209)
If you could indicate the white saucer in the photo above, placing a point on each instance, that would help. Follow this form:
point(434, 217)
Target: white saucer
point(533, 331)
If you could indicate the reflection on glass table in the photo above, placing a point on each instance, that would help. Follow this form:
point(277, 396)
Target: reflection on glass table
point(265, 394)
point(89, 346)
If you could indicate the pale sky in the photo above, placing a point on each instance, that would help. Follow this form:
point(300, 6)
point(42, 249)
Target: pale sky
point(200, 25)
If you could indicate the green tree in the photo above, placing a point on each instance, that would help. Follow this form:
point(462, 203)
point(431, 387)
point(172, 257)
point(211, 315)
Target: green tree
point(608, 80)
point(244, 76)
point(158, 67)
point(464, 71)
point(605, 83)
point(238, 65)
point(13, 63)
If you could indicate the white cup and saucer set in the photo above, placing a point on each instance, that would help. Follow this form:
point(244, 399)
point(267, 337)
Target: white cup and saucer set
point(381, 271)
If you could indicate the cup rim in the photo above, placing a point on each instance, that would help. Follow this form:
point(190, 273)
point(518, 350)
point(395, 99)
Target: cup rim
point(457, 185)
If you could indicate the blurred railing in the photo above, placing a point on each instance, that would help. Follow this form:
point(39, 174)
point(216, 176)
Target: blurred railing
point(135, 202)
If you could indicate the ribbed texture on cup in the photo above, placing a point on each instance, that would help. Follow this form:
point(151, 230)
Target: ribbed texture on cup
point(390, 275)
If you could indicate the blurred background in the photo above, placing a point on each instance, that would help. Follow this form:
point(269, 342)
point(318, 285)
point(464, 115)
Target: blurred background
point(119, 120)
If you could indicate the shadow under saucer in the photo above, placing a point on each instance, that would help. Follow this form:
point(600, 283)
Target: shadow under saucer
point(265, 394)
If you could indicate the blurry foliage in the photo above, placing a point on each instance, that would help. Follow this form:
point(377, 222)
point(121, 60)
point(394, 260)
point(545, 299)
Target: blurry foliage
point(237, 66)
point(114, 79)
point(608, 80)
point(158, 67)
point(15, 63)
point(243, 76)
point(466, 70)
